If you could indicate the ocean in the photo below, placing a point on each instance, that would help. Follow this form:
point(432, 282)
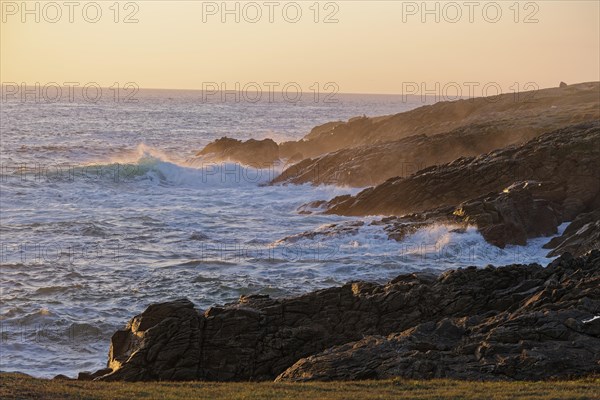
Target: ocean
point(105, 209)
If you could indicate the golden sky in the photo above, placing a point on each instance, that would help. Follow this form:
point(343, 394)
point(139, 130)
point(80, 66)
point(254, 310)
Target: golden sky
point(374, 47)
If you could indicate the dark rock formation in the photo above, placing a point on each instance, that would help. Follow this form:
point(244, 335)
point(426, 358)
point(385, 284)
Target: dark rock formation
point(329, 230)
point(368, 151)
point(567, 157)
point(544, 327)
point(90, 376)
point(61, 377)
point(523, 210)
point(256, 153)
point(581, 236)
point(400, 228)
point(513, 322)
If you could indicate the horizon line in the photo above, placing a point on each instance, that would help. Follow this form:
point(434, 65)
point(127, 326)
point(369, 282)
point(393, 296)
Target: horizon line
point(3, 84)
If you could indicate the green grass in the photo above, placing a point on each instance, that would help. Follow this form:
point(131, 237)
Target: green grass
point(19, 386)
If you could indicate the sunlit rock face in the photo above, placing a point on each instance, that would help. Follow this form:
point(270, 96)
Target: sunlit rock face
point(368, 151)
point(513, 322)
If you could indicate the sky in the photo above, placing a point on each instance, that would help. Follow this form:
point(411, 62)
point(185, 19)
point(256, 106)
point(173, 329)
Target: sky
point(357, 46)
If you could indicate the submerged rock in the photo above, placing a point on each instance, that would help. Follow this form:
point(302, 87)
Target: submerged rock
point(325, 231)
point(513, 322)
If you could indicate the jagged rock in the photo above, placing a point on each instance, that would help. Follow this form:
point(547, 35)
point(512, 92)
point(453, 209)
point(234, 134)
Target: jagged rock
point(521, 211)
point(581, 236)
point(518, 321)
point(567, 157)
point(399, 231)
point(542, 334)
point(256, 153)
point(524, 210)
point(170, 335)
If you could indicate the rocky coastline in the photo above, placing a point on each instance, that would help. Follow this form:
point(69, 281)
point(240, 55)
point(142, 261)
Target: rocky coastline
point(367, 151)
point(515, 170)
point(517, 322)
point(510, 195)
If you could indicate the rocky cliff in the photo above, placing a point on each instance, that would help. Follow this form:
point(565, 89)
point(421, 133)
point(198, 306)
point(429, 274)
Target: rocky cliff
point(368, 151)
point(557, 104)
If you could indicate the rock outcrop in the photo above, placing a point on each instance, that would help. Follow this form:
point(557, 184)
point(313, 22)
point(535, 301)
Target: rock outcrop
point(568, 157)
point(523, 210)
point(256, 153)
point(581, 236)
point(513, 322)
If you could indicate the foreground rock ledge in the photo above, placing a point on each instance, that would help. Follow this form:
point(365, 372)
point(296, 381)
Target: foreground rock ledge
point(512, 322)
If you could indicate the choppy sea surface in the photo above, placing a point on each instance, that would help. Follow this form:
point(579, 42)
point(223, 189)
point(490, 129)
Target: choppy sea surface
point(105, 209)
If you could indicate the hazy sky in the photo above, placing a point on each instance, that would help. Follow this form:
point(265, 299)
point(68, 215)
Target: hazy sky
point(372, 48)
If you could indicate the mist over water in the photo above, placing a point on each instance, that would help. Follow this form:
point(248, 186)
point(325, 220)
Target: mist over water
point(105, 209)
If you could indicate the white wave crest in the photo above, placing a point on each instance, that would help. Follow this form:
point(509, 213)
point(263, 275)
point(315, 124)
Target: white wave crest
point(151, 164)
